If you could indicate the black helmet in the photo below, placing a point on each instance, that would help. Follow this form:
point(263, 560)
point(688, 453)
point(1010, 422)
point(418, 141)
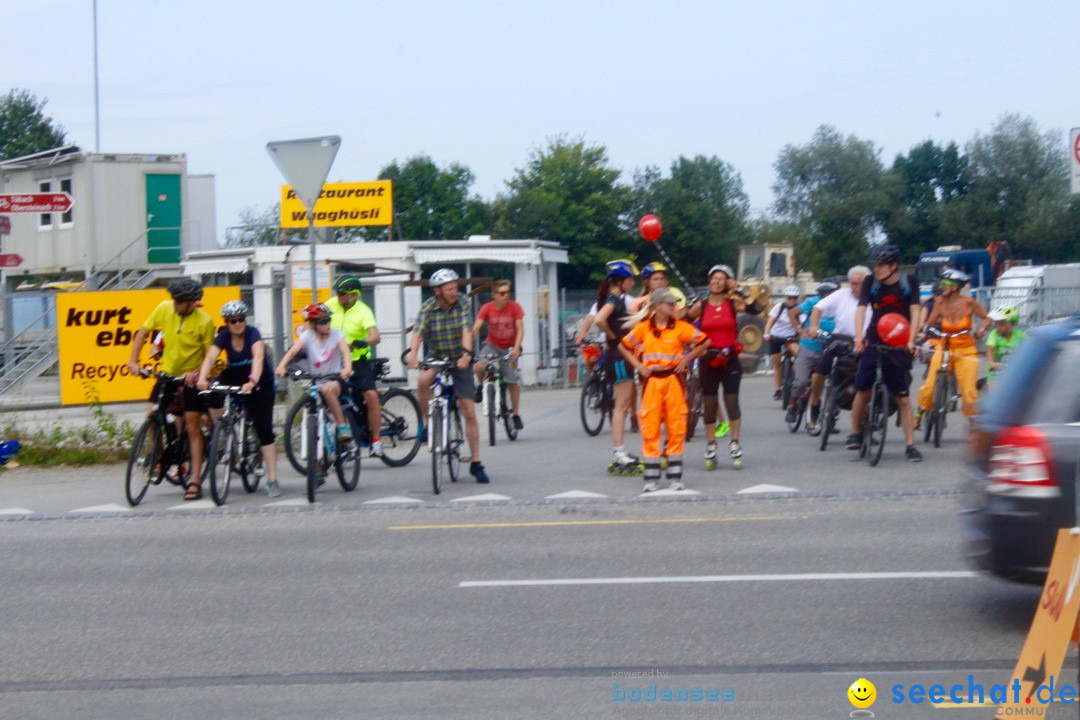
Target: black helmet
point(887, 253)
point(185, 288)
point(827, 287)
point(347, 284)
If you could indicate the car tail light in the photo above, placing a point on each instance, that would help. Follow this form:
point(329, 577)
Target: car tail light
point(1020, 456)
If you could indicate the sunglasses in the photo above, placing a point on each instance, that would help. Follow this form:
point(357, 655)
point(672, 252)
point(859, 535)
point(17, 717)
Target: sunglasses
point(322, 321)
point(501, 292)
point(235, 320)
point(950, 283)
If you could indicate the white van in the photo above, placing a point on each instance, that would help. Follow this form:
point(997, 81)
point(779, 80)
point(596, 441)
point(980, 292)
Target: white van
point(1041, 292)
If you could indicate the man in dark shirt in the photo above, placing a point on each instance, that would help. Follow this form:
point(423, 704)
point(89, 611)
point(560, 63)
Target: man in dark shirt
point(886, 293)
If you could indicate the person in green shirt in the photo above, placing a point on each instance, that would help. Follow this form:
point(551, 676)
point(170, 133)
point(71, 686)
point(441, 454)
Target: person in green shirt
point(355, 319)
point(1003, 339)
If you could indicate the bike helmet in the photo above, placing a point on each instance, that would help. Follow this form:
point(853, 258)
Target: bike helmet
point(792, 291)
point(826, 287)
point(1008, 313)
point(316, 311)
point(234, 308)
point(622, 268)
point(185, 288)
point(726, 269)
point(885, 254)
point(347, 285)
point(957, 276)
point(653, 267)
point(442, 276)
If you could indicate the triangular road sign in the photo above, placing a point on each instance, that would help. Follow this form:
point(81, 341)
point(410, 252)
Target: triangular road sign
point(305, 164)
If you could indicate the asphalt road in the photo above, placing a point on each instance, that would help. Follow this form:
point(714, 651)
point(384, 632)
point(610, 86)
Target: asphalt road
point(526, 608)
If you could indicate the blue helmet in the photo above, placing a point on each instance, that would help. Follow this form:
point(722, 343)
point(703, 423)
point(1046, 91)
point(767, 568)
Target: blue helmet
point(622, 268)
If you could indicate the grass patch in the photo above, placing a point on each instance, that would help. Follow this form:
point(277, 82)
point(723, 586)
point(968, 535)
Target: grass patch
point(102, 440)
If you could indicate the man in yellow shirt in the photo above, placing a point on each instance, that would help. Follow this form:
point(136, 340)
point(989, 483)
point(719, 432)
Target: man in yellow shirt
point(188, 332)
point(355, 319)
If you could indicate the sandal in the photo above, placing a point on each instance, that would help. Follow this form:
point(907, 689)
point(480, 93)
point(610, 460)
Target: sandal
point(194, 492)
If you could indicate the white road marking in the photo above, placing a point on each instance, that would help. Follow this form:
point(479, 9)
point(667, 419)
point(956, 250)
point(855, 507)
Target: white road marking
point(765, 488)
point(485, 497)
point(204, 504)
point(576, 494)
point(395, 499)
point(794, 577)
point(286, 503)
point(102, 508)
point(15, 511)
point(668, 492)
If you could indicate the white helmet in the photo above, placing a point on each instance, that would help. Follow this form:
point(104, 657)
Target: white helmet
point(958, 276)
point(792, 291)
point(726, 269)
point(442, 276)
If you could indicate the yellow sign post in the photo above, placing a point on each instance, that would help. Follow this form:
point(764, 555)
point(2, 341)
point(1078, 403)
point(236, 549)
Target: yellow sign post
point(1036, 681)
point(341, 205)
point(95, 330)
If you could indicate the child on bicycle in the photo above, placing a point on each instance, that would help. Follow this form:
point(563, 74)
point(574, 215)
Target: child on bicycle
point(327, 355)
point(656, 347)
point(1003, 339)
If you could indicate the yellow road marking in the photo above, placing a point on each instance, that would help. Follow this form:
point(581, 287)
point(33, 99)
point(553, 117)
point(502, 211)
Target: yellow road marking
point(564, 523)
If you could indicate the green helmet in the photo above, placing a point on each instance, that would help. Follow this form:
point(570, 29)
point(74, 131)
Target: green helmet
point(347, 285)
point(1008, 313)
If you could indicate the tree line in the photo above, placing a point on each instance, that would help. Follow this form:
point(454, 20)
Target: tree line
point(834, 196)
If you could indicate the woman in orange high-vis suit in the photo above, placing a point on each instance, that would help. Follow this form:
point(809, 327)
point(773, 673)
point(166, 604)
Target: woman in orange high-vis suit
point(657, 348)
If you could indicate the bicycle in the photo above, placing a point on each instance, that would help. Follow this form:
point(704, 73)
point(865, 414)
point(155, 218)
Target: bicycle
point(878, 410)
point(400, 430)
point(319, 447)
point(695, 401)
point(234, 446)
point(838, 383)
point(160, 451)
point(445, 434)
point(597, 398)
point(787, 371)
point(944, 397)
point(494, 398)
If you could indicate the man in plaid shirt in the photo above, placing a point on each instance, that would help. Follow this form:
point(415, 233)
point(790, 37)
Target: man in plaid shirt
point(445, 330)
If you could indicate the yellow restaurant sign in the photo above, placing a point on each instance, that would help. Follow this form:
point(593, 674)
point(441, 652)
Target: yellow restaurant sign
point(341, 205)
point(95, 330)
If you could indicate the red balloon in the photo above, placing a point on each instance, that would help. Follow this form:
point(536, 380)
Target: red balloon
point(893, 329)
point(650, 228)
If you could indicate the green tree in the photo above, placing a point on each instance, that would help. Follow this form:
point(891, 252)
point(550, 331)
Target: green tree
point(24, 128)
point(924, 187)
point(833, 191)
point(568, 192)
point(704, 211)
point(261, 227)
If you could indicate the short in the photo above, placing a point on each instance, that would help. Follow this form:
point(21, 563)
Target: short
point(193, 402)
point(260, 407)
point(464, 383)
point(617, 368)
point(508, 368)
point(776, 344)
point(805, 363)
point(895, 368)
point(363, 374)
point(728, 374)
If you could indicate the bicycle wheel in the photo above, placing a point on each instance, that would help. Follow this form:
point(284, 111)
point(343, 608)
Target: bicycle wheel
point(785, 381)
point(437, 444)
point(877, 423)
point(507, 414)
point(176, 455)
point(347, 459)
point(251, 459)
point(693, 404)
point(401, 424)
point(221, 460)
point(827, 419)
point(592, 405)
point(940, 407)
point(295, 427)
point(145, 465)
point(311, 433)
point(455, 439)
point(800, 410)
point(489, 410)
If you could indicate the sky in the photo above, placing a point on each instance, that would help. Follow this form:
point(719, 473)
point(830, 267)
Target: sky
point(485, 84)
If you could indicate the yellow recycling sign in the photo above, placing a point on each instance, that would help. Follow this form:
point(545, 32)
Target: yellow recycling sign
point(341, 205)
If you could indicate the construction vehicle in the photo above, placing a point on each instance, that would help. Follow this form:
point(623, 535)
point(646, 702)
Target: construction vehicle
point(764, 271)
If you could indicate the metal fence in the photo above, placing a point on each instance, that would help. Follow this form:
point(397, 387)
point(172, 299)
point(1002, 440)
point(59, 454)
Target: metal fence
point(1037, 305)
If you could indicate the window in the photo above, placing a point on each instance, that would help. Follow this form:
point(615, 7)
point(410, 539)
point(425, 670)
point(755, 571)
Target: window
point(45, 221)
point(66, 219)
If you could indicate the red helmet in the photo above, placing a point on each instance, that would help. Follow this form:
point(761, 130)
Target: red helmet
point(316, 311)
point(894, 329)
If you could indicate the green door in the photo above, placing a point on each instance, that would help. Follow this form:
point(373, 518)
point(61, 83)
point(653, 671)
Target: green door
point(163, 218)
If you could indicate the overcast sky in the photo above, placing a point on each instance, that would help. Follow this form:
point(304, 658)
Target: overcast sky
point(484, 83)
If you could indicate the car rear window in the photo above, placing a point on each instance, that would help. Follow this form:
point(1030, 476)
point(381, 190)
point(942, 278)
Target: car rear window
point(1018, 385)
point(1058, 399)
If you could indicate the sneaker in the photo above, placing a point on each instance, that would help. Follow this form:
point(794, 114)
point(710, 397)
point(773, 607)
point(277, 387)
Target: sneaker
point(624, 458)
point(776, 395)
point(650, 486)
point(376, 449)
point(676, 485)
point(710, 451)
point(518, 425)
point(912, 453)
point(792, 415)
point(735, 449)
point(854, 441)
point(272, 489)
point(477, 471)
point(811, 426)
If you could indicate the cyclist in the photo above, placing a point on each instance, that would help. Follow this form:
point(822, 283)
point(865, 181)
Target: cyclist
point(327, 354)
point(611, 299)
point(1003, 339)
point(656, 347)
point(444, 328)
point(888, 293)
point(187, 331)
point(249, 367)
point(505, 333)
point(840, 307)
point(655, 275)
point(953, 312)
point(785, 331)
point(809, 346)
point(353, 317)
point(717, 316)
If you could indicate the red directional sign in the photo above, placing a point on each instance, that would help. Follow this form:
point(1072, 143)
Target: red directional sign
point(34, 202)
point(10, 260)
point(5, 225)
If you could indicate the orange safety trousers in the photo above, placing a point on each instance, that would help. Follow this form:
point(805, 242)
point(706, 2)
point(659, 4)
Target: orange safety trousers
point(663, 401)
point(964, 364)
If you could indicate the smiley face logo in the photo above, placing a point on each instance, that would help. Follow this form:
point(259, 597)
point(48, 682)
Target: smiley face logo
point(862, 693)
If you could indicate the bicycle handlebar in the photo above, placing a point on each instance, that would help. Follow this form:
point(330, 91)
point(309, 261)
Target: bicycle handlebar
point(944, 335)
point(301, 375)
point(148, 371)
point(217, 389)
